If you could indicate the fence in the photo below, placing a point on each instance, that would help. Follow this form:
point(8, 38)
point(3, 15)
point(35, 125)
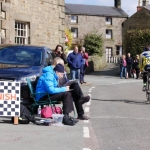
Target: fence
point(113, 59)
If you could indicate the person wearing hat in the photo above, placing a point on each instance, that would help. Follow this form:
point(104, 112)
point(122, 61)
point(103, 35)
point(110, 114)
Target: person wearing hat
point(48, 82)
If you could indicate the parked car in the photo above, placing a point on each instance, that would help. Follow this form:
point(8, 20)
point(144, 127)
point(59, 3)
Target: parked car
point(18, 62)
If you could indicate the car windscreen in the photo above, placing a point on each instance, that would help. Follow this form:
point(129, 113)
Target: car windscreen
point(21, 55)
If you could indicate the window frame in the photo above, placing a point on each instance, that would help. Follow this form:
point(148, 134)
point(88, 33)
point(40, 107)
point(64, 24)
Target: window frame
point(22, 32)
point(75, 34)
point(75, 20)
point(108, 21)
point(109, 34)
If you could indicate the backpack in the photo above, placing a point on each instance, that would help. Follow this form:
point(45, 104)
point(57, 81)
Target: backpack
point(47, 112)
point(25, 116)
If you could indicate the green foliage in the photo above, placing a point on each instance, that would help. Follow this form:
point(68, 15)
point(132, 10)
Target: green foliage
point(70, 37)
point(94, 43)
point(136, 40)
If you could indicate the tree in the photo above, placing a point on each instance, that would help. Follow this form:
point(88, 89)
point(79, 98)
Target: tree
point(94, 43)
point(136, 40)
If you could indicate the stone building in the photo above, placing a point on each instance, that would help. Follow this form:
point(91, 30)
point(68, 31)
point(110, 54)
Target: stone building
point(36, 22)
point(139, 20)
point(82, 19)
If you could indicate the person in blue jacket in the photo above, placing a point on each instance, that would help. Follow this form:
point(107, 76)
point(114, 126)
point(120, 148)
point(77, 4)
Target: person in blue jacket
point(48, 82)
point(75, 62)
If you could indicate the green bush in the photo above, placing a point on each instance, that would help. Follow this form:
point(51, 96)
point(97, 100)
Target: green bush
point(94, 43)
point(136, 40)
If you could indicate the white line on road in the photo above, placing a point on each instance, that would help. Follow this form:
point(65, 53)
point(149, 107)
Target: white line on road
point(86, 109)
point(86, 121)
point(86, 132)
point(93, 87)
point(88, 103)
point(86, 149)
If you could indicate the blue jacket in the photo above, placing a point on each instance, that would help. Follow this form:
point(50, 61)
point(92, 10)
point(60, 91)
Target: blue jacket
point(48, 82)
point(75, 60)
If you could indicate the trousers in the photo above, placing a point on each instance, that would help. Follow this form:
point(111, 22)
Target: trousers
point(65, 97)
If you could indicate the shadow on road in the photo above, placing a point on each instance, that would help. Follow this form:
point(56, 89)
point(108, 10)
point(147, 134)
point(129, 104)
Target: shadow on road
point(125, 101)
point(110, 70)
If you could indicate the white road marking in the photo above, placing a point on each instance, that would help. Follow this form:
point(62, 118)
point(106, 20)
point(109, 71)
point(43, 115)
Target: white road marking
point(88, 103)
point(86, 132)
point(93, 87)
point(86, 149)
point(86, 121)
point(86, 109)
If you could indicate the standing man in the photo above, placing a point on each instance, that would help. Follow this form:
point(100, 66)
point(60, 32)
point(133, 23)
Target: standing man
point(75, 62)
point(129, 61)
point(84, 65)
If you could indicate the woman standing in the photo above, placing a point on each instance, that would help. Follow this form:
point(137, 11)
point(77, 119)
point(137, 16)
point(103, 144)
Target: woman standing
point(123, 67)
point(59, 52)
point(136, 66)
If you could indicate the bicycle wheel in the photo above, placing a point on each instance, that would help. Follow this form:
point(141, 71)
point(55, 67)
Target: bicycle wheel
point(147, 89)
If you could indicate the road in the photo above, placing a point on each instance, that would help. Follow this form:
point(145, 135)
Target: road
point(119, 120)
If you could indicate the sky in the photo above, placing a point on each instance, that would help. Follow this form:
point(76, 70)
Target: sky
point(129, 6)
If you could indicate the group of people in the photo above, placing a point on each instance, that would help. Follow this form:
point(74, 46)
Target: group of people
point(129, 66)
point(53, 82)
point(139, 64)
point(77, 61)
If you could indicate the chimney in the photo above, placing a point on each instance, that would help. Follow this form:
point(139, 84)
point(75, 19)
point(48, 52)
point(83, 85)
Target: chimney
point(118, 3)
point(142, 3)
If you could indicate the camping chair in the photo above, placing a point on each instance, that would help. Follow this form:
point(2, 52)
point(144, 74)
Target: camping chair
point(33, 96)
point(46, 102)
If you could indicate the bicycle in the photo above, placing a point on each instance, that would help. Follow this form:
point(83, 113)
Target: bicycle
point(147, 84)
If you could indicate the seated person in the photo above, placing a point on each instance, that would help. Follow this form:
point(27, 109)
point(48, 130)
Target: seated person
point(77, 93)
point(48, 83)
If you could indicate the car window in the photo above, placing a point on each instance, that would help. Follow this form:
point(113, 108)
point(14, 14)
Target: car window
point(21, 55)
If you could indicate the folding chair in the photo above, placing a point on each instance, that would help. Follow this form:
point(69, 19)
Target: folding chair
point(43, 102)
point(33, 96)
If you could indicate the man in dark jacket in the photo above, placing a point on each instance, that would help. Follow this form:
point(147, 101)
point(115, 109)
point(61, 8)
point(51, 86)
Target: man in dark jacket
point(129, 61)
point(75, 62)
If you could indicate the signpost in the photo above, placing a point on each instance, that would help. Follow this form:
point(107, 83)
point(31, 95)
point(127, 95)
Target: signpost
point(10, 99)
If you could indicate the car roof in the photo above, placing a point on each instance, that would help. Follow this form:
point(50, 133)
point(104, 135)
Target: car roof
point(17, 45)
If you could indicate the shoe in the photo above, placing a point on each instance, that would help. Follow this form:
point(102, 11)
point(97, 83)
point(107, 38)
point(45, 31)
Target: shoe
point(81, 82)
point(144, 88)
point(84, 99)
point(68, 121)
point(83, 117)
point(84, 82)
point(73, 119)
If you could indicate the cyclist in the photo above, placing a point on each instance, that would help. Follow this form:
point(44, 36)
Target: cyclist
point(144, 64)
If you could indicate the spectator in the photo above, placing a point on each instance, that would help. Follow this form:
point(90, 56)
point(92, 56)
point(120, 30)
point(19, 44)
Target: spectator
point(48, 83)
point(76, 92)
point(84, 65)
point(59, 52)
point(123, 65)
point(136, 66)
point(75, 62)
point(129, 61)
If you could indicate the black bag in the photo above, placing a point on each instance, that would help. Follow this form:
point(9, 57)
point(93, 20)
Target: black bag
point(25, 116)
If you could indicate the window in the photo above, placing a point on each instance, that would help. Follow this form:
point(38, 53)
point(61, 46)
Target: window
point(117, 50)
point(108, 34)
point(74, 32)
point(21, 33)
point(108, 21)
point(74, 19)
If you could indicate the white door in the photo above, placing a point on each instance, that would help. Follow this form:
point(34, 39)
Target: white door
point(108, 53)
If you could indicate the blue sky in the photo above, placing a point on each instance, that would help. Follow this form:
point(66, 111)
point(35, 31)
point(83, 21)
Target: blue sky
point(129, 6)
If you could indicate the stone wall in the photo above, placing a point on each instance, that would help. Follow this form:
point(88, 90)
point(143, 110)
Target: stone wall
point(46, 19)
point(86, 24)
point(140, 20)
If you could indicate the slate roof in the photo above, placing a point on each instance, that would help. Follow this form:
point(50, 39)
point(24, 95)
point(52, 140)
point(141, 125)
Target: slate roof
point(94, 10)
point(148, 7)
